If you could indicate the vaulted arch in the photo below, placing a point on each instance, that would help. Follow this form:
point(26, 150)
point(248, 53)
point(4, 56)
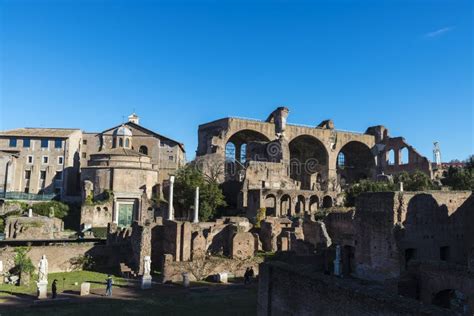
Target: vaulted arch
point(355, 162)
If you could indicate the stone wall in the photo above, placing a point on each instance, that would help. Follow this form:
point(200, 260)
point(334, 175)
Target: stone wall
point(36, 227)
point(97, 215)
point(289, 290)
point(201, 269)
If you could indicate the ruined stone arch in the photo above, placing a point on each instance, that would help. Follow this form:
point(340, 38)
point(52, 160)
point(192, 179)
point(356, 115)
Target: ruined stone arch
point(390, 157)
point(143, 149)
point(327, 201)
point(308, 161)
point(241, 139)
point(404, 156)
point(300, 206)
point(285, 205)
point(357, 163)
point(313, 203)
point(270, 205)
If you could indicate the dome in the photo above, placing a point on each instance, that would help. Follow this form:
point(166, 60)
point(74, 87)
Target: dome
point(123, 131)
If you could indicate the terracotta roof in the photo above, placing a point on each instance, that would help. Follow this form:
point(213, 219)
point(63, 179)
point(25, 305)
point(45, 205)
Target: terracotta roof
point(39, 132)
point(120, 151)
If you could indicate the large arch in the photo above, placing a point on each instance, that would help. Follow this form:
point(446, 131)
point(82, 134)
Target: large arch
point(354, 162)
point(241, 139)
point(308, 161)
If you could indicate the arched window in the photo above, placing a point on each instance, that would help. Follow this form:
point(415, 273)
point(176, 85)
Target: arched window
point(230, 151)
point(127, 142)
point(120, 142)
point(143, 149)
point(243, 153)
point(391, 157)
point(341, 160)
point(404, 156)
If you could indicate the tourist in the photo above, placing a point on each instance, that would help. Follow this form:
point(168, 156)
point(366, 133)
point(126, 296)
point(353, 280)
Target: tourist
point(54, 288)
point(251, 274)
point(108, 290)
point(247, 276)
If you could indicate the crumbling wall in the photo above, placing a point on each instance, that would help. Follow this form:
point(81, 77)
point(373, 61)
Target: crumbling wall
point(290, 290)
point(36, 227)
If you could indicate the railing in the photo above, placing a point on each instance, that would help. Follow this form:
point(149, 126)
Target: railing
point(26, 196)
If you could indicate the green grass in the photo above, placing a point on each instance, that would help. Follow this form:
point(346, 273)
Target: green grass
point(97, 281)
point(217, 300)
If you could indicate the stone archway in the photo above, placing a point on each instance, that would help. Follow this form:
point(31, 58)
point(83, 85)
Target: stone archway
point(313, 203)
point(327, 201)
point(354, 162)
point(300, 204)
point(285, 205)
point(308, 160)
point(271, 205)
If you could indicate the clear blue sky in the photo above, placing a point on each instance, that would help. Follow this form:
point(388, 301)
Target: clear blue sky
point(405, 64)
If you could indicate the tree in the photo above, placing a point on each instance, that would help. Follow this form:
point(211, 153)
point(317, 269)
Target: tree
point(23, 265)
point(459, 178)
point(211, 196)
point(416, 181)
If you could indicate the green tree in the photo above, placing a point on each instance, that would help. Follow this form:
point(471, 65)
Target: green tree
point(211, 197)
point(43, 208)
point(416, 181)
point(460, 178)
point(23, 265)
point(363, 186)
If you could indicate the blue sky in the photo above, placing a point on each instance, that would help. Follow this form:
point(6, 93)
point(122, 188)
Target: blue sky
point(405, 64)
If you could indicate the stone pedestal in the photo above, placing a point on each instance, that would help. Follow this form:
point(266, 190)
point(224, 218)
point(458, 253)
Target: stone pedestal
point(42, 287)
point(146, 282)
point(185, 279)
point(223, 277)
point(85, 289)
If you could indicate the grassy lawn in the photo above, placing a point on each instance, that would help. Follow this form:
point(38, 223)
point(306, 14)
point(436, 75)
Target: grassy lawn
point(70, 278)
point(213, 300)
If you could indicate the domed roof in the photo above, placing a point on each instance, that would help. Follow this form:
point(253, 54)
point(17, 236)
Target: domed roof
point(123, 131)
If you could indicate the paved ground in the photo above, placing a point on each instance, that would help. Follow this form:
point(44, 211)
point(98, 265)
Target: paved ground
point(160, 298)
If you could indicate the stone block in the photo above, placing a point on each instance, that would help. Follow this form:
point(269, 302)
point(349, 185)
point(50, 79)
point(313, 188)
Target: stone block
point(243, 246)
point(85, 288)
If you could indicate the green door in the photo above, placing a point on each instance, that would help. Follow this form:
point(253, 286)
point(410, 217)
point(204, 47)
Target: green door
point(125, 214)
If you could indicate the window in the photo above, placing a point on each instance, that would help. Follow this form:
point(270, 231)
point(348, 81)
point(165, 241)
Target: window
point(404, 156)
point(171, 158)
point(60, 160)
point(444, 253)
point(44, 143)
point(26, 143)
point(27, 174)
point(45, 160)
point(29, 159)
point(84, 155)
point(13, 142)
point(58, 143)
point(341, 160)
point(120, 142)
point(127, 143)
point(42, 174)
point(230, 151)
point(391, 157)
point(243, 153)
point(143, 150)
point(84, 142)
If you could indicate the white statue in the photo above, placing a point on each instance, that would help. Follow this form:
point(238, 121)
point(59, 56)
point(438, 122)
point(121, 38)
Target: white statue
point(43, 269)
point(146, 265)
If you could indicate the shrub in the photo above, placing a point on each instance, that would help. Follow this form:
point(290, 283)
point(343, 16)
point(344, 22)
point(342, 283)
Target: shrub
point(261, 213)
point(43, 208)
point(23, 265)
point(82, 262)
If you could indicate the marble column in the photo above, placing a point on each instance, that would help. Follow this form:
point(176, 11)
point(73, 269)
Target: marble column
point(170, 200)
point(196, 206)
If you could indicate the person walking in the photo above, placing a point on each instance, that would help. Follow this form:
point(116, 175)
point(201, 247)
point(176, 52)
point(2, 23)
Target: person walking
point(247, 276)
point(108, 289)
point(54, 288)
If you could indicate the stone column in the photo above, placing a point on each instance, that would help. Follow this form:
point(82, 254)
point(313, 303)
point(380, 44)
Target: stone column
point(196, 206)
point(170, 206)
